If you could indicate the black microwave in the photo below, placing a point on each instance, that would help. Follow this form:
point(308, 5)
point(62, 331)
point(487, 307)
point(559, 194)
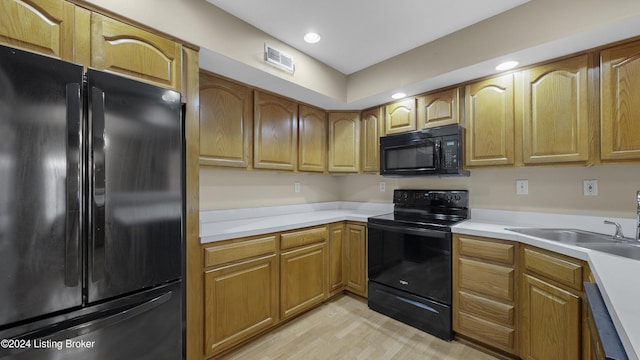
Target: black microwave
point(434, 151)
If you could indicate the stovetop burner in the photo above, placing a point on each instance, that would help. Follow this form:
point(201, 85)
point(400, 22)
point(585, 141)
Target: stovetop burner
point(432, 209)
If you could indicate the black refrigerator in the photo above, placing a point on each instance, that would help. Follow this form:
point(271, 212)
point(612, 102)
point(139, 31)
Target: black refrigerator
point(91, 213)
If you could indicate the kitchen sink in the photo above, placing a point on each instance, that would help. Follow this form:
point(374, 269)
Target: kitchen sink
point(567, 236)
point(628, 250)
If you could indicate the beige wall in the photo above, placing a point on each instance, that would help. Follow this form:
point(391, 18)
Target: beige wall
point(551, 189)
point(231, 189)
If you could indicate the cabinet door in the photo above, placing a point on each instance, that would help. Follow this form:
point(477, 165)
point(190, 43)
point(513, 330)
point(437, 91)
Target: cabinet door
point(550, 321)
point(275, 123)
point(490, 122)
point(439, 108)
point(336, 258)
point(400, 116)
point(312, 146)
point(225, 122)
point(344, 142)
point(42, 26)
point(370, 140)
point(240, 300)
point(356, 259)
point(303, 281)
point(620, 108)
point(556, 112)
point(127, 50)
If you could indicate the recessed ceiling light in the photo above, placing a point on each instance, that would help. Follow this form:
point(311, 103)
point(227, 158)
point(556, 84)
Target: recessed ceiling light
point(398, 95)
point(507, 65)
point(312, 37)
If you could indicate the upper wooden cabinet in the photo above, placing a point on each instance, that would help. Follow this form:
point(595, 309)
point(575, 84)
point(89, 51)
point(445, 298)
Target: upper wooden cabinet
point(312, 136)
point(439, 108)
point(556, 112)
point(275, 124)
point(620, 108)
point(400, 116)
point(225, 122)
point(344, 142)
point(370, 139)
point(42, 26)
point(133, 52)
point(490, 118)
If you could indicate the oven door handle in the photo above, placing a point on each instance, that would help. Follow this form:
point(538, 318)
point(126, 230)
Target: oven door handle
point(410, 230)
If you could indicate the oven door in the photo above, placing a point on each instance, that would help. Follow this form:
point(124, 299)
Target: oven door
point(414, 260)
point(409, 154)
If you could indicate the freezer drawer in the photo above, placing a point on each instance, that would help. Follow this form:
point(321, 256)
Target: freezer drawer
point(144, 326)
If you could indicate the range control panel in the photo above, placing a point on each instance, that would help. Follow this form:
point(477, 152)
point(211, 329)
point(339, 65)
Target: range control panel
point(429, 198)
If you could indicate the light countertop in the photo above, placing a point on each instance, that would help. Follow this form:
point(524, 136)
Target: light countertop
point(218, 225)
point(618, 278)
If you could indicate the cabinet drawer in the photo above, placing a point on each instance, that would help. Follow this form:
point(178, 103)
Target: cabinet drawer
point(303, 237)
point(488, 279)
point(496, 335)
point(221, 254)
point(487, 308)
point(487, 249)
point(560, 269)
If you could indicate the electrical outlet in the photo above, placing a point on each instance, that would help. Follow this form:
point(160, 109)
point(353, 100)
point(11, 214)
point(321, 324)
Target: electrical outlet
point(383, 186)
point(590, 187)
point(296, 186)
point(522, 187)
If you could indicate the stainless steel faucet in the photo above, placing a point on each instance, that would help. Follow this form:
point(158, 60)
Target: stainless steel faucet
point(618, 235)
point(638, 216)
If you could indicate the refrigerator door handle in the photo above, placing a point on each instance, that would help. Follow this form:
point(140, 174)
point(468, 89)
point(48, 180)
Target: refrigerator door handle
point(99, 185)
point(77, 327)
point(74, 146)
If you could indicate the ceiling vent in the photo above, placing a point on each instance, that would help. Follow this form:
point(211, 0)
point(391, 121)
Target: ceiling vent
point(279, 59)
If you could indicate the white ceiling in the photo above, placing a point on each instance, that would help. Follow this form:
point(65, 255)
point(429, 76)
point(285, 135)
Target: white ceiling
point(359, 33)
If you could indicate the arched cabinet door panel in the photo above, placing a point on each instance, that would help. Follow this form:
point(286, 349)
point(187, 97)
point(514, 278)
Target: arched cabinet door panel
point(41, 26)
point(490, 121)
point(127, 50)
point(275, 123)
point(556, 112)
point(620, 109)
point(225, 122)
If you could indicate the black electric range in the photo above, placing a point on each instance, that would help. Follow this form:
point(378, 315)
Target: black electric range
point(409, 258)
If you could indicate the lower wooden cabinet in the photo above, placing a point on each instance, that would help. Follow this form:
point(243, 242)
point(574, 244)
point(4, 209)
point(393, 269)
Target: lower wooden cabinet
point(484, 291)
point(241, 300)
point(302, 279)
point(254, 283)
point(551, 305)
point(551, 321)
point(336, 258)
point(356, 259)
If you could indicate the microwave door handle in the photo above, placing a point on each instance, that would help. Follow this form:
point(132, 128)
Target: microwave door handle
point(438, 154)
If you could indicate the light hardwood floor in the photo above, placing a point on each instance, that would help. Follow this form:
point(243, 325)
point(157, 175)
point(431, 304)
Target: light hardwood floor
point(345, 328)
